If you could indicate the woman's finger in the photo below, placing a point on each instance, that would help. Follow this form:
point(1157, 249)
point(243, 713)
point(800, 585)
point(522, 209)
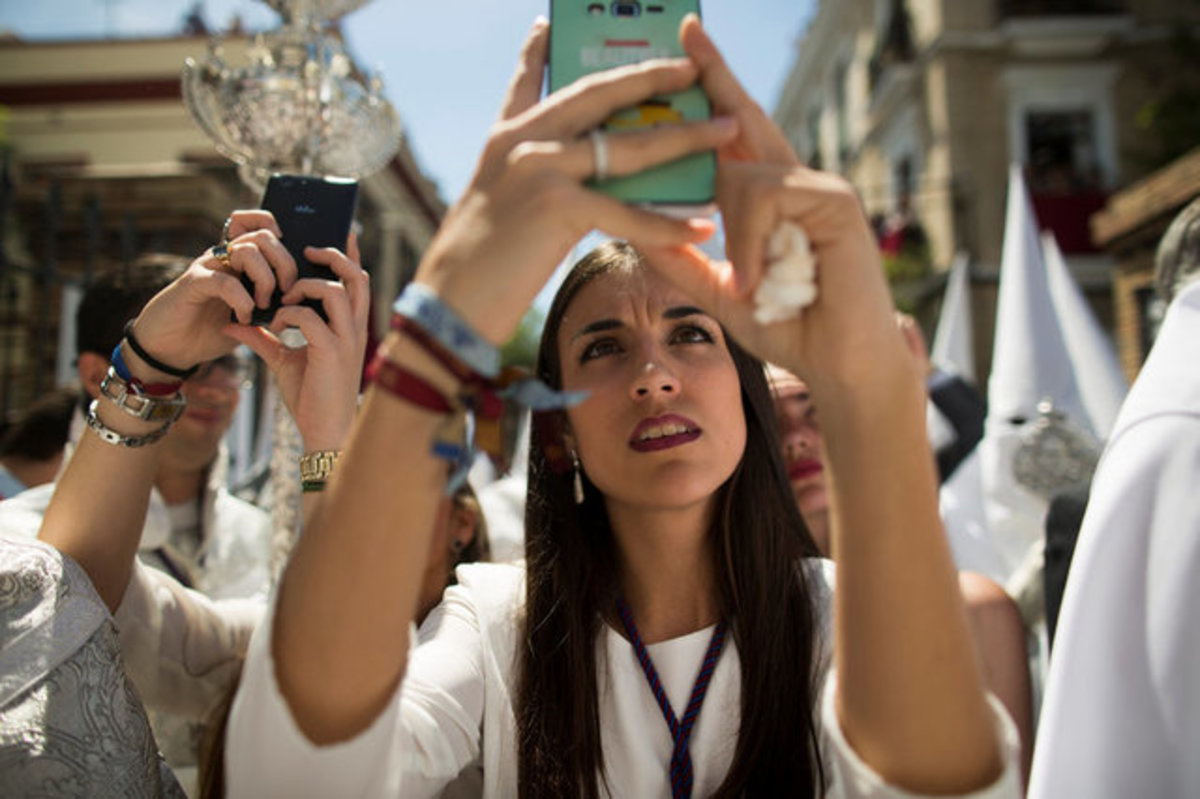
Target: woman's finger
point(277, 256)
point(525, 88)
point(333, 298)
point(229, 289)
point(592, 99)
point(761, 139)
point(628, 153)
point(751, 211)
point(249, 220)
point(245, 258)
point(641, 227)
point(261, 342)
point(345, 267)
point(316, 332)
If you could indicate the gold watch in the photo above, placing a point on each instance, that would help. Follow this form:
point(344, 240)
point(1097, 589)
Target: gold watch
point(318, 465)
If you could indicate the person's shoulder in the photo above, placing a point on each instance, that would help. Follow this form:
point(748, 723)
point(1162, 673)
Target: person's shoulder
point(36, 579)
point(819, 572)
point(492, 580)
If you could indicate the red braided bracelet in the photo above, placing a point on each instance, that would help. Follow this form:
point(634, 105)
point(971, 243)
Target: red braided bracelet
point(399, 382)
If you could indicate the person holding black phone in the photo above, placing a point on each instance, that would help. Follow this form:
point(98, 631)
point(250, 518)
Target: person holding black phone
point(177, 647)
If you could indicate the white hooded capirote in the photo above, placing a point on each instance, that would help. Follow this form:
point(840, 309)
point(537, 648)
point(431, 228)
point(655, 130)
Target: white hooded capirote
point(1122, 704)
point(1098, 377)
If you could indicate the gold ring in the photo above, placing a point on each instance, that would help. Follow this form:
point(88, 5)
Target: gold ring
point(221, 253)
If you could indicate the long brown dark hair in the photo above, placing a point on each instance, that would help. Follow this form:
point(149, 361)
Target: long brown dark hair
point(759, 541)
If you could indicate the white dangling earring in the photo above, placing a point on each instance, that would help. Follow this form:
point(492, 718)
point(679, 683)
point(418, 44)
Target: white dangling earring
point(578, 479)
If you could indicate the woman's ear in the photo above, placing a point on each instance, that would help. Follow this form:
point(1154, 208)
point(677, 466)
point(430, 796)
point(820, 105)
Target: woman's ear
point(92, 367)
point(553, 433)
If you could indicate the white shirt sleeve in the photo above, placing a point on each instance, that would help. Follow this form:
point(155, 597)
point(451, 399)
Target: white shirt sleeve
point(426, 734)
point(851, 778)
point(181, 649)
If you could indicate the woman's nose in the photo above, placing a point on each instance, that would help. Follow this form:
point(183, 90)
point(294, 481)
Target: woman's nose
point(653, 379)
point(798, 441)
point(795, 447)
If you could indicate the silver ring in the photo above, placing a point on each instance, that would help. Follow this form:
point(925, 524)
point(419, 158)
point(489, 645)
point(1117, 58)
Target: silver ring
point(225, 230)
point(599, 154)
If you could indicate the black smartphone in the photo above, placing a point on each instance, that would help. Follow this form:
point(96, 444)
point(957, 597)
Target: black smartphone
point(312, 211)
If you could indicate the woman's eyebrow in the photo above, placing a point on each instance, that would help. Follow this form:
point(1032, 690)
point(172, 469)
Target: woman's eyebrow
point(599, 326)
point(681, 311)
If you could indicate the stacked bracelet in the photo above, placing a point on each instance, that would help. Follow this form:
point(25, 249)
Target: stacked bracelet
point(149, 389)
point(129, 396)
point(475, 412)
point(182, 374)
point(147, 402)
point(110, 436)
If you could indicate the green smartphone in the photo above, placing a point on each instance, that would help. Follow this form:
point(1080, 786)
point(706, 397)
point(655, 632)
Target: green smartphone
point(587, 37)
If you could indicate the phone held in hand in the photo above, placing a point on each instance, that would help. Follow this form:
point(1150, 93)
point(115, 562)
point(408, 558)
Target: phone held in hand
point(311, 211)
point(587, 37)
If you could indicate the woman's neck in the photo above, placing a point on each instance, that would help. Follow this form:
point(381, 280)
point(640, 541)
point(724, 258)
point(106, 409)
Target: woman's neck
point(666, 569)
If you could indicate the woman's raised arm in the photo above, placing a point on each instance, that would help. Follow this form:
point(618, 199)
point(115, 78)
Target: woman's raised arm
point(99, 505)
point(346, 600)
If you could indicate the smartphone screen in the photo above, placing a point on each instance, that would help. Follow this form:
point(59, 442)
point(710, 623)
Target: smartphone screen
point(587, 37)
point(312, 212)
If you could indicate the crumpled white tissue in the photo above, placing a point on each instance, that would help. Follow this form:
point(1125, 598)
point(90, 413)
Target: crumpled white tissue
point(789, 283)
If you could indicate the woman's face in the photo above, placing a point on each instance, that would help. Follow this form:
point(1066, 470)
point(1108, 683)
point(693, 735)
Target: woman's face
point(801, 440)
point(663, 425)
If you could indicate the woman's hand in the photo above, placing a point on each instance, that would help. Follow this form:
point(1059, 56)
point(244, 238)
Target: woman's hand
point(760, 183)
point(319, 381)
point(527, 206)
point(848, 332)
point(188, 322)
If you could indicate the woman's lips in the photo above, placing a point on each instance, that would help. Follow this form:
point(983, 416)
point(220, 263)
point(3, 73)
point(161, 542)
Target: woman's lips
point(803, 469)
point(663, 432)
point(205, 415)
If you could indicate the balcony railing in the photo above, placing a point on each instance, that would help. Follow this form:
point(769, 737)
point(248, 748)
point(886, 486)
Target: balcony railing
point(1061, 8)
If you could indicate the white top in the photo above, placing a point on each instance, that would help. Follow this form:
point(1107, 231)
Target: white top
point(455, 707)
point(1122, 706)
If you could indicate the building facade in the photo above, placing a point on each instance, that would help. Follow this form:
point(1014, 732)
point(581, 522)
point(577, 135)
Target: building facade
point(924, 104)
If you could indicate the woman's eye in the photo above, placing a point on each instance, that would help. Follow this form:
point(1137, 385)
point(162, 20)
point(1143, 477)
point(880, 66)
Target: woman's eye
point(691, 334)
point(598, 349)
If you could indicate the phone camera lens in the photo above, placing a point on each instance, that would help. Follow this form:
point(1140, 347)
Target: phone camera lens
point(596, 9)
point(626, 9)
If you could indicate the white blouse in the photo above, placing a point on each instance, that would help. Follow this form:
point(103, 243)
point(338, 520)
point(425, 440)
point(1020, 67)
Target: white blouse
point(454, 710)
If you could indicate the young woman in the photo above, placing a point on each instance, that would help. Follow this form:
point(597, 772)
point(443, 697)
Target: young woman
point(684, 554)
